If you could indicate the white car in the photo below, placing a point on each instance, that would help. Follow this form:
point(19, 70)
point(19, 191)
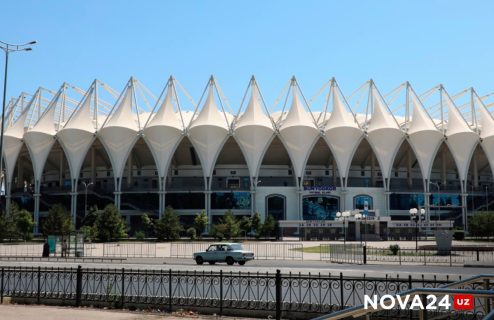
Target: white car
point(224, 252)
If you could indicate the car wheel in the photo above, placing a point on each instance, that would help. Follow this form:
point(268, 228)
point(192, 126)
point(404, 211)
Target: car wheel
point(241, 263)
point(212, 262)
point(230, 261)
point(199, 260)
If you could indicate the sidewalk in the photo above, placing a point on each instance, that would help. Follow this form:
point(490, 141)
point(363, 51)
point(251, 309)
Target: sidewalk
point(30, 312)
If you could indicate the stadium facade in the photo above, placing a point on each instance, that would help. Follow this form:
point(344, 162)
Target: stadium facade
point(145, 153)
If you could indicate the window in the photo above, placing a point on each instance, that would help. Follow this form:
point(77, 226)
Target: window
point(362, 201)
point(275, 206)
point(233, 183)
point(308, 183)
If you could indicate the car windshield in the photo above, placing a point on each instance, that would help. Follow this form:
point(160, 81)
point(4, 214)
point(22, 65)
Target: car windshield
point(236, 246)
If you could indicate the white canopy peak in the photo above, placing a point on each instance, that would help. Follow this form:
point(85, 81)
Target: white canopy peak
point(381, 115)
point(254, 113)
point(210, 115)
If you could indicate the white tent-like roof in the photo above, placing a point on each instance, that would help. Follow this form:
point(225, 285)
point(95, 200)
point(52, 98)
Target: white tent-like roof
point(79, 132)
point(487, 130)
point(14, 133)
point(164, 130)
point(209, 131)
point(342, 132)
point(461, 139)
point(40, 138)
point(384, 133)
point(254, 131)
point(298, 132)
point(120, 130)
point(424, 137)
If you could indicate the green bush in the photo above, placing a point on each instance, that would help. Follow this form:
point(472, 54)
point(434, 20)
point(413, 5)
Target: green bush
point(140, 235)
point(394, 248)
point(192, 233)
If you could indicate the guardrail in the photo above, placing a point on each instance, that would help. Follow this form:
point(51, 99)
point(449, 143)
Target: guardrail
point(261, 294)
point(343, 253)
point(262, 251)
point(481, 287)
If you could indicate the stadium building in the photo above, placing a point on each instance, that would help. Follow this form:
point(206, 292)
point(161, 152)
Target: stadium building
point(380, 154)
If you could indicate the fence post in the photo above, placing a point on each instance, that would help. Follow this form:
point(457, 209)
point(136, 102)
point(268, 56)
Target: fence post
point(478, 258)
point(1, 289)
point(425, 262)
point(487, 302)
point(365, 254)
point(78, 287)
point(409, 282)
point(399, 255)
point(278, 294)
point(170, 294)
point(221, 292)
point(342, 298)
point(38, 296)
point(423, 312)
point(123, 288)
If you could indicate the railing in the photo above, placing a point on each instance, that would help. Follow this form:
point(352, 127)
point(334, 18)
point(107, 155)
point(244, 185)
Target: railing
point(263, 294)
point(21, 249)
point(136, 250)
point(343, 253)
point(428, 256)
point(480, 287)
point(262, 251)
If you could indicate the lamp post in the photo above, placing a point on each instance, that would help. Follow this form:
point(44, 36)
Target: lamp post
point(8, 48)
point(415, 216)
point(86, 185)
point(358, 217)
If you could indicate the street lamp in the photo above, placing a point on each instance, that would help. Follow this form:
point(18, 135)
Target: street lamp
point(343, 216)
point(358, 217)
point(415, 216)
point(8, 48)
point(86, 185)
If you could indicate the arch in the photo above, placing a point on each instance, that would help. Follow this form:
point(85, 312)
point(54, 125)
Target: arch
point(406, 174)
point(444, 168)
point(186, 163)
point(320, 207)
point(276, 166)
point(322, 165)
point(479, 170)
point(23, 172)
point(230, 162)
point(276, 206)
point(363, 167)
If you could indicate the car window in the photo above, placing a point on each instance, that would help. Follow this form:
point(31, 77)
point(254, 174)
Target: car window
point(211, 248)
point(235, 247)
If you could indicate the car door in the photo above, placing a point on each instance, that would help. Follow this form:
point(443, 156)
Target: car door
point(209, 255)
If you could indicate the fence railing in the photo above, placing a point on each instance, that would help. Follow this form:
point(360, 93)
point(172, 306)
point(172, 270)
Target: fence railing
point(343, 253)
point(262, 251)
point(132, 249)
point(32, 249)
point(427, 256)
point(268, 294)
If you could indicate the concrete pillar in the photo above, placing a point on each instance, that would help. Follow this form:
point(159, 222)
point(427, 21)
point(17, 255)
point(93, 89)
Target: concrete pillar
point(129, 170)
point(93, 164)
point(60, 175)
point(409, 168)
point(464, 211)
point(444, 176)
point(475, 171)
point(334, 172)
point(373, 173)
point(36, 196)
point(20, 171)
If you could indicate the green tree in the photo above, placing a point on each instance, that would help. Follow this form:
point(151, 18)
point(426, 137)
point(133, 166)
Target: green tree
point(109, 224)
point(148, 225)
point(482, 224)
point(168, 227)
point(58, 221)
point(269, 226)
point(245, 225)
point(200, 222)
point(227, 228)
point(24, 224)
point(91, 216)
point(256, 224)
point(7, 227)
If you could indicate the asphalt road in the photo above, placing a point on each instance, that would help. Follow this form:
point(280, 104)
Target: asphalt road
point(263, 266)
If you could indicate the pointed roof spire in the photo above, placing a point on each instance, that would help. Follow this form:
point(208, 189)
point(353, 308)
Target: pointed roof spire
point(166, 115)
point(254, 114)
point(122, 114)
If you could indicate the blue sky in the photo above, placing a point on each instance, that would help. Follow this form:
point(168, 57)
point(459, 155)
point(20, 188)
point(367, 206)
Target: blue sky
point(425, 42)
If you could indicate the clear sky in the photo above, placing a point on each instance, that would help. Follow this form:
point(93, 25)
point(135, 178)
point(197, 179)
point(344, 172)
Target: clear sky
point(425, 42)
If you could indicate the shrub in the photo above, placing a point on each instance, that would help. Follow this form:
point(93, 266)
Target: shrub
point(394, 248)
point(192, 233)
point(140, 235)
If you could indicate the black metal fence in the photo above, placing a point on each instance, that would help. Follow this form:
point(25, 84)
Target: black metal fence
point(262, 250)
point(343, 253)
point(262, 294)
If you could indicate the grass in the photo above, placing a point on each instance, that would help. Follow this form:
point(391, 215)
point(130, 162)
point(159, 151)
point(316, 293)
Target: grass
point(315, 249)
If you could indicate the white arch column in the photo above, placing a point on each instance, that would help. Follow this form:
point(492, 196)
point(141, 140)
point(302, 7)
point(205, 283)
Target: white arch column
point(36, 197)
